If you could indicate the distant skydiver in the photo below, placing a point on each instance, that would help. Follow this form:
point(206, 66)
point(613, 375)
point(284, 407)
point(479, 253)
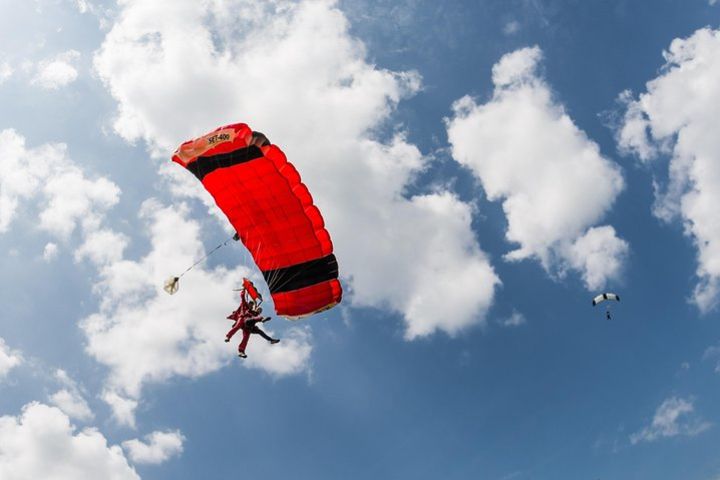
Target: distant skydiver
point(603, 297)
point(246, 318)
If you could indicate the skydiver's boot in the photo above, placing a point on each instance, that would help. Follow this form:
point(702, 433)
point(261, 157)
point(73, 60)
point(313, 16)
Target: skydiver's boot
point(242, 354)
point(227, 339)
point(274, 341)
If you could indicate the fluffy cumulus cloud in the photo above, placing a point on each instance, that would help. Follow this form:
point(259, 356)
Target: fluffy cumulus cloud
point(144, 335)
point(9, 359)
point(291, 70)
point(42, 443)
point(553, 182)
point(56, 72)
point(72, 404)
point(673, 417)
point(62, 193)
point(157, 448)
point(677, 117)
point(70, 398)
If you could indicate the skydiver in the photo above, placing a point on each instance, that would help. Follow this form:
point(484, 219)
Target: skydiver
point(246, 319)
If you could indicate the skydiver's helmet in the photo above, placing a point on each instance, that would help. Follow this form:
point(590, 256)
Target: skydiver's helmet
point(255, 309)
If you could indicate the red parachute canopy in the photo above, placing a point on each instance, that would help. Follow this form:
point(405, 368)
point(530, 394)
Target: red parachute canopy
point(272, 212)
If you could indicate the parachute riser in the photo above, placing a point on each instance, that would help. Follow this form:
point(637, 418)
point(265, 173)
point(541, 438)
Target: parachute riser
point(172, 284)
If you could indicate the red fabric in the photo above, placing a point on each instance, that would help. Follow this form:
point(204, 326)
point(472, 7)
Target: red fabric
point(244, 341)
point(250, 289)
point(242, 322)
point(309, 299)
point(241, 315)
point(236, 326)
point(271, 210)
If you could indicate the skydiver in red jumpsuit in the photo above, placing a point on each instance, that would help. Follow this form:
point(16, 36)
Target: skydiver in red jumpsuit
point(246, 318)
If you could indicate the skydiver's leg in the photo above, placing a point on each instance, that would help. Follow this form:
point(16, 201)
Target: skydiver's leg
point(233, 330)
point(244, 342)
point(257, 330)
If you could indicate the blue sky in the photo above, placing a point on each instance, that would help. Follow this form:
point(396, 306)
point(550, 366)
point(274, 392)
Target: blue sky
point(484, 168)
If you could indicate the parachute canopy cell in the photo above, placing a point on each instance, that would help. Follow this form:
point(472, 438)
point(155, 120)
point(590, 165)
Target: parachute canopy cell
point(605, 296)
point(273, 214)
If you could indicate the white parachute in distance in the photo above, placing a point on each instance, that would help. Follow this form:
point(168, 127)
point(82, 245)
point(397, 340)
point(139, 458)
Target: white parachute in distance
point(605, 296)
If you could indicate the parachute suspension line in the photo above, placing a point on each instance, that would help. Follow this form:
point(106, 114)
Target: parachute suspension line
point(287, 280)
point(172, 284)
point(207, 255)
point(270, 279)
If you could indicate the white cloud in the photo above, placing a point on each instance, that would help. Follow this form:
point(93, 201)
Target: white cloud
point(6, 72)
point(50, 251)
point(9, 359)
point(514, 320)
point(551, 178)
point(65, 196)
point(83, 6)
point(518, 68)
point(158, 447)
point(123, 408)
point(290, 356)
point(713, 353)
point(599, 255)
point(673, 417)
point(295, 73)
point(41, 443)
point(511, 27)
point(102, 246)
point(58, 71)
point(70, 399)
point(73, 405)
point(677, 116)
point(23, 170)
point(103, 13)
point(72, 199)
point(144, 335)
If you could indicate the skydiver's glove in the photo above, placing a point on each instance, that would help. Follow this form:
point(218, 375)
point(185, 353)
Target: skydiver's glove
point(236, 237)
point(266, 319)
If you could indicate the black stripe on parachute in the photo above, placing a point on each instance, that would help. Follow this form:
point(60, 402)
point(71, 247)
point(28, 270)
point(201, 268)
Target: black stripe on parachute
point(206, 165)
point(301, 275)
